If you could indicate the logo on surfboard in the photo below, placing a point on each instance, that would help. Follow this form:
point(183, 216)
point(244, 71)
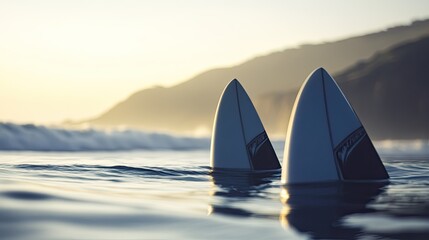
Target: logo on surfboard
point(261, 153)
point(256, 143)
point(344, 149)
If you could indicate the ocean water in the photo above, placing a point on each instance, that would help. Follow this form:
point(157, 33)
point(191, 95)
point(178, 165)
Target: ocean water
point(172, 194)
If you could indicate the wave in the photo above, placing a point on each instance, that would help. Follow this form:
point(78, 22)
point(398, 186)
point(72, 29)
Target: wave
point(418, 148)
point(31, 137)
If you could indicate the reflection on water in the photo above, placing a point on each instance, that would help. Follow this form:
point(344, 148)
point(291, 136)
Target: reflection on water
point(231, 189)
point(242, 184)
point(313, 209)
point(336, 210)
point(316, 209)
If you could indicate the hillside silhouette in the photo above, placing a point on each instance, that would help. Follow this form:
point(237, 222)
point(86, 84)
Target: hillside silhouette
point(391, 91)
point(388, 91)
point(271, 80)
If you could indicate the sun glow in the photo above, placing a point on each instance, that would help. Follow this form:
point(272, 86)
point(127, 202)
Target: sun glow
point(76, 59)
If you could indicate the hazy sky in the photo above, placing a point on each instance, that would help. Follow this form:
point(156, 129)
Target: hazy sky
point(74, 59)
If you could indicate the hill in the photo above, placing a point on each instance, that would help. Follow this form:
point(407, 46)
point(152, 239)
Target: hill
point(191, 105)
point(389, 93)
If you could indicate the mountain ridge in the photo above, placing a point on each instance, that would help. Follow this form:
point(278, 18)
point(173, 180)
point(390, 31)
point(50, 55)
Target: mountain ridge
point(388, 106)
point(191, 105)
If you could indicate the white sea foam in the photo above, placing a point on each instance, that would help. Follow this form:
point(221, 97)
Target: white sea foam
point(42, 138)
point(418, 147)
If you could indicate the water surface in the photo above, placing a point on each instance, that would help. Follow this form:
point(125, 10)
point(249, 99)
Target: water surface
point(173, 195)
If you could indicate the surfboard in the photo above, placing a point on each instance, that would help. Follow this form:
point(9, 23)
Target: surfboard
point(239, 140)
point(326, 140)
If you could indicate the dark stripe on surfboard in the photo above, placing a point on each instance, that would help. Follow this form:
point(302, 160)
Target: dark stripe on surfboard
point(358, 158)
point(262, 154)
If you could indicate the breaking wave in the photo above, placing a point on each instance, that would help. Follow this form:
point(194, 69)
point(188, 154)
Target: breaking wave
point(417, 148)
point(40, 138)
point(29, 137)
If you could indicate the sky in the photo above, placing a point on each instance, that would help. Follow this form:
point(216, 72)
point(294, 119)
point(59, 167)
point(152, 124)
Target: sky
point(72, 60)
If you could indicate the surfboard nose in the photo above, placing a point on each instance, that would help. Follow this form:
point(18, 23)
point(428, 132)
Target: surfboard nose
point(233, 81)
point(326, 140)
point(239, 140)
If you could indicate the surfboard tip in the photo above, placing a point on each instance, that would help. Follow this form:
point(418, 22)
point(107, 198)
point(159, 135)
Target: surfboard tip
point(239, 140)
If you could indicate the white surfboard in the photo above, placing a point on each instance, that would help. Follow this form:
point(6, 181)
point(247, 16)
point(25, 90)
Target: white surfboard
point(326, 140)
point(239, 139)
